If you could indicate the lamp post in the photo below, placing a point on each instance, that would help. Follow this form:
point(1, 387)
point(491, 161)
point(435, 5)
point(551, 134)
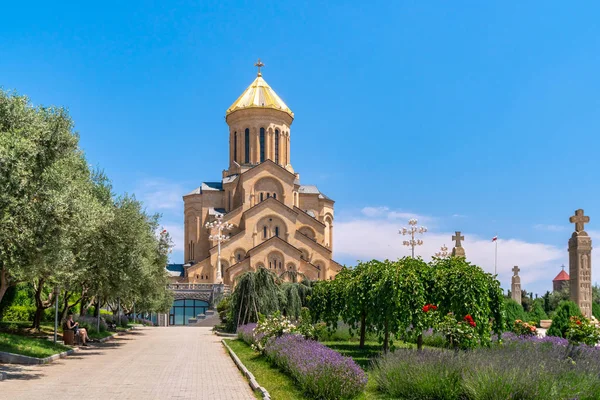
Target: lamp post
point(411, 230)
point(219, 225)
point(443, 253)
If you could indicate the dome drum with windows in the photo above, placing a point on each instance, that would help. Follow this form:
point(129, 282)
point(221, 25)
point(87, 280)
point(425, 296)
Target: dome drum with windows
point(277, 222)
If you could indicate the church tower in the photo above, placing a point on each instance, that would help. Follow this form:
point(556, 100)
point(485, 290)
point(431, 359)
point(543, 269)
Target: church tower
point(270, 220)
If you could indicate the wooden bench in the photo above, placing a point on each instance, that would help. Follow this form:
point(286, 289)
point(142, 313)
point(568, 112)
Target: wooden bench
point(69, 337)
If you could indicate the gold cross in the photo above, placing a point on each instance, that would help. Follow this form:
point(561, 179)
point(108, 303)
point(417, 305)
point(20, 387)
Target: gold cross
point(259, 64)
point(457, 238)
point(579, 220)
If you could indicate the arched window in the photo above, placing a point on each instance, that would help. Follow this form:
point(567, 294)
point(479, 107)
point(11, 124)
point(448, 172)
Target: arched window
point(277, 231)
point(261, 196)
point(275, 196)
point(235, 146)
point(276, 146)
point(268, 195)
point(247, 146)
point(262, 144)
point(264, 232)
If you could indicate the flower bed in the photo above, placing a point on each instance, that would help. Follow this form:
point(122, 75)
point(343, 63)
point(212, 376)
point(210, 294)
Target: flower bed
point(524, 367)
point(322, 372)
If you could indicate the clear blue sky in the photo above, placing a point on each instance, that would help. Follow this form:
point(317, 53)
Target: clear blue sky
point(477, 117)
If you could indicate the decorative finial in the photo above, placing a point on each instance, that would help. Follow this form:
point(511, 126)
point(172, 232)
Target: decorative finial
point(259, 64)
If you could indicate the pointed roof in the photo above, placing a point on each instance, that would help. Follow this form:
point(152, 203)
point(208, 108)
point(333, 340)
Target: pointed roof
point(259, 95)
point(562, 276)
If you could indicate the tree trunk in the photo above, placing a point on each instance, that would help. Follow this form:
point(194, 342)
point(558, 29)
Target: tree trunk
point(4, 284)
point(83, 305)
point(420, 342)
point(386, 337)
point(363, 329)
point(65, 308)
point(40, 304)
point(97, 310)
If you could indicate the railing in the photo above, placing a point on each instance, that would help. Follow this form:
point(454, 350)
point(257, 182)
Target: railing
point(197, 286)
point(190, 286)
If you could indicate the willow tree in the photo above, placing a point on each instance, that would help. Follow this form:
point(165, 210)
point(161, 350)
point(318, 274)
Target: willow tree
point(255, 293)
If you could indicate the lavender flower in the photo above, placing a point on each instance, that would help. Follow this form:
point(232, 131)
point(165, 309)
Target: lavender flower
point(319, 370)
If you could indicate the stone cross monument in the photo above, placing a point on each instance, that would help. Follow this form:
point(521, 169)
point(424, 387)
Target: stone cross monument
point(580, 264)
point(515, 287)
point(458, 250)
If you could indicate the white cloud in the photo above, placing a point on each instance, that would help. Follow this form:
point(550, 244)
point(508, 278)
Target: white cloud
point(551, 228)
point(385, 212)
point(160, 194)
point(365, 239)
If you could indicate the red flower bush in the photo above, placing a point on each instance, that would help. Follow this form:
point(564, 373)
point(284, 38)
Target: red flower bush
point(428, 307)
point(469, 320)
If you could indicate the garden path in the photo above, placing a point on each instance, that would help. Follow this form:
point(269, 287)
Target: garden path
point(148, 363)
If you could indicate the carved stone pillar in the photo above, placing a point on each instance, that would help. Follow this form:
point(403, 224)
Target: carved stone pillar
point(580, 264)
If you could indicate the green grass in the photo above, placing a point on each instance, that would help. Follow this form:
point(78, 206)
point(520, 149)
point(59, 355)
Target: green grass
point(28, 346)
point(278, 384)
point(100, 335)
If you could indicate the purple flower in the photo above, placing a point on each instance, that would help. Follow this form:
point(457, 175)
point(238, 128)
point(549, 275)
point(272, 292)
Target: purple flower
point(319, 370)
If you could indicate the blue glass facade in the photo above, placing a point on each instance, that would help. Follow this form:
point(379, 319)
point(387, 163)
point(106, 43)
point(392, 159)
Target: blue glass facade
point(183, 310)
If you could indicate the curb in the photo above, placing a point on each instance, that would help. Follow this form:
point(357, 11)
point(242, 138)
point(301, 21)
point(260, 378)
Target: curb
point(114, 335)
point(252, 380)
point(225, 334)
point(10, 358)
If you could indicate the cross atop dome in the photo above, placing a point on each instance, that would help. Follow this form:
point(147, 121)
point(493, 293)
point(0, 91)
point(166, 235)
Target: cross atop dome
point(259, 64)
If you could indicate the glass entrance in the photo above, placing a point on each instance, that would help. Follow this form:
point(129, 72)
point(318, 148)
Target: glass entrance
point(182, 310)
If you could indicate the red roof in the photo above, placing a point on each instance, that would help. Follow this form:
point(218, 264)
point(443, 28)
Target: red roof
point(562, 276)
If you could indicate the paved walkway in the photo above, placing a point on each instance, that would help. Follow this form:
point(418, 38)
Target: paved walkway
point(148, 363)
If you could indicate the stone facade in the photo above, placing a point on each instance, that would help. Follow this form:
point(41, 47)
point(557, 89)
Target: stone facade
point(580, 264)
point(279, 224)
point(515, 286)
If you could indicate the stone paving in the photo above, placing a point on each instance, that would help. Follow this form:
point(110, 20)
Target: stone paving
point(148, 363)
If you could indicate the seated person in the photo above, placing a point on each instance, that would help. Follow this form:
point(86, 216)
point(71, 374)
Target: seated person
point(74, 326)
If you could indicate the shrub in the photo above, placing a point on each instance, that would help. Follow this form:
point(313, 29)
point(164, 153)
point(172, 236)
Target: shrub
point(321, 372)
point(560, 321)
point(272, 326)
point(514, 311)
point(521, 328)
point(459, 334)
point(596, 310)
point(420, 375)
point(246, 333)
point(523, 368)
point(18, 313)
point(582, 331)
point(537, 313)
point(91, 323)
point(223, 308)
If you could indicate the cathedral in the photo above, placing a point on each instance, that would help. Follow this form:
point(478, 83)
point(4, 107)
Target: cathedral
point(271, 220)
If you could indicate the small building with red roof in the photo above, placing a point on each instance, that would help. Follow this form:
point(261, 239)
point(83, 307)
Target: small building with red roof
point(561, 281)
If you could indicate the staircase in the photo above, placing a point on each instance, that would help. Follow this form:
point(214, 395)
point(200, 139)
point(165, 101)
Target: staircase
point(211, 318)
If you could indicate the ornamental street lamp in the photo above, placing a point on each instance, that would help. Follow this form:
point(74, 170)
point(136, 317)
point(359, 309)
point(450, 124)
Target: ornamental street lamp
point(443, 253)
point(219, 226)
point(411, 230)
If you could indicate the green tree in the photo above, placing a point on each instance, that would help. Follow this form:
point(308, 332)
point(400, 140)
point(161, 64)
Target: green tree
point(514, 311)
point(355, 289)
point(413, 286)
point(560, 323)
point(465, 289)
point(36, 143)
point(537, 312)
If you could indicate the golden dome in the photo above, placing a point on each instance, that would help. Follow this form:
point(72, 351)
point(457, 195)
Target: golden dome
point(259, 95)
